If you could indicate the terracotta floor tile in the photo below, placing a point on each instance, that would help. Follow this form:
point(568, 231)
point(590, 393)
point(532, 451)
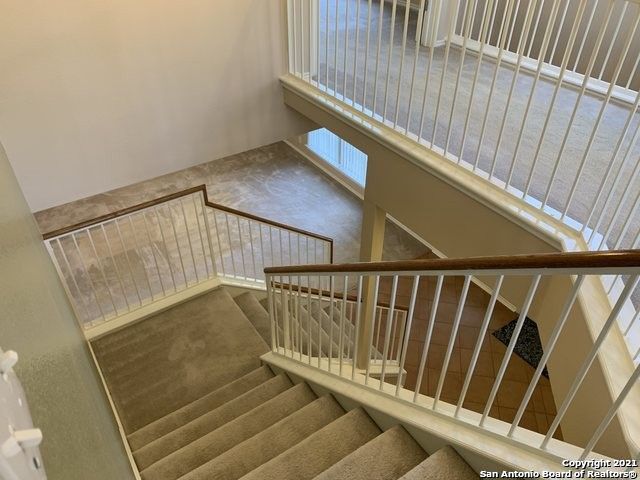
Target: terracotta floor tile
point(479, 389)
point(501, 316)
point(472, 316)
point(549, 403)
point(507, 414)
point(410, 378)
point(469, 337)
point(541, 408)
point(473, 406)
point(446, 312)
point(497, 346)
point(442, 334)
point(414, 354)
point(418, 329)
point(405, 286)
point(528, 421)
point(477, 297)
point(452, 387)
point(542, 422)
point(436, 357)
point(484, 363)
point(517, 370)
point(511, 393)
point(451, 289)
point(537, 401)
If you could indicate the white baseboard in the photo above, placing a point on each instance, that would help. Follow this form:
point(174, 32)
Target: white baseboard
point(123, 435)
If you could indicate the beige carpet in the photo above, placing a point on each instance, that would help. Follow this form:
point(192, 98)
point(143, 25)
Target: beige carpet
point(164, 362)
point(197, 404)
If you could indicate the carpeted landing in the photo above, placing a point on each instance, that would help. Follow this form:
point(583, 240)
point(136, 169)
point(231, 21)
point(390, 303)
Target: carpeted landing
point(196, 404)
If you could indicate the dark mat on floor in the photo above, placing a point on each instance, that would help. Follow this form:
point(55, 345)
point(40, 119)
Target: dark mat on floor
point(528, 347)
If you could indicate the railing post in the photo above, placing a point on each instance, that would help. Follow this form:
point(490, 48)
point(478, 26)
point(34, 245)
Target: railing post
point(371, 242)
point(207, 228)
point(272, 312)
point(367, 321)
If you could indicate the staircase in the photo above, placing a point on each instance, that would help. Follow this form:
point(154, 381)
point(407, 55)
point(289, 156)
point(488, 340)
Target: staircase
point(196, 403)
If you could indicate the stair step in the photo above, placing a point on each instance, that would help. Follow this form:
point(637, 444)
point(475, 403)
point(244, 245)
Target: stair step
point(230, 434)
point(256, 313)
point(306, 322)
point(445, 463)
point(205, 343)
point(193, 410)
point(163, 446)
point(305, 319)
point(337, 314)
point(321, 450)
point(270, 443)
point(332, 327)
point(348, 326)
point(265, 303)
point(318, 316)
point(401, 454)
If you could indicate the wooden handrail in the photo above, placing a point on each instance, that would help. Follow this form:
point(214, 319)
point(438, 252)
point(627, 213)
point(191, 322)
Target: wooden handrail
point(611, 259)
point(173, 196)
point(120, 213)
point(326, 293)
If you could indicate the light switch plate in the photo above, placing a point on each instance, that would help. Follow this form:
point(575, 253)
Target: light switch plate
point(19, 454)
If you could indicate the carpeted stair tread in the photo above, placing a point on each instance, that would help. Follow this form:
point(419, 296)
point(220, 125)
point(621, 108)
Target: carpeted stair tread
point(316, 331)
point(193, 410)
point(401, 454)
point(337, 313)
point(230, 434)
point(172, 441)
point(308, 322)
point(321, 450)
point(445, 463)
point(256, 314)
point(265, 303)
point(332, 327)
point(271, 442)
point(205, 344)
point(305, 319)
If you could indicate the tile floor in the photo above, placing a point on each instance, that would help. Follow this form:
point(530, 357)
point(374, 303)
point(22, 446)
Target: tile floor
point(540, 411)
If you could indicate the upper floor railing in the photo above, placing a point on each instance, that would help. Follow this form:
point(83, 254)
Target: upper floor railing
point(117, 263)
point(461, 351)
point(538, 97)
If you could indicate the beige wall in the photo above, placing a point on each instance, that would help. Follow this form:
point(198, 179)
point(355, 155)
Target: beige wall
point(66, 399)
point(96, 95)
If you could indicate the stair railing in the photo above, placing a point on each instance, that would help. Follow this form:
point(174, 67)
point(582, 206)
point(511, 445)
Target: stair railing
point(118, 263)
point(430, 373)
point(303, 324)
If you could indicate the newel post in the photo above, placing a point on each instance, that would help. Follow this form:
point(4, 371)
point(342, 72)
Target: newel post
point(371, 242)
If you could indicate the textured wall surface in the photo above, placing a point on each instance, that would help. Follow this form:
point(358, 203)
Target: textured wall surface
point(97, 95)
point(66, 399)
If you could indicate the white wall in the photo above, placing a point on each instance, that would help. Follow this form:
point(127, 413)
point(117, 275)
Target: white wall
point(67, 401)
point(99, 94)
